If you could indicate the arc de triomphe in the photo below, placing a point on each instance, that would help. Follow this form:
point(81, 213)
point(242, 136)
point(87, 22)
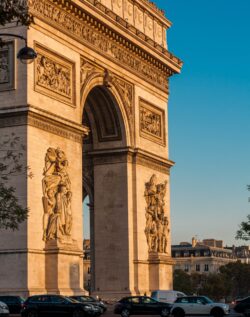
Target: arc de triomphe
point(92, 113)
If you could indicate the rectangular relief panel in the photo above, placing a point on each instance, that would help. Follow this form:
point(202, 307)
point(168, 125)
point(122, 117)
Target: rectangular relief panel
point(54, 75)
point(7, 66)
point(152, 122)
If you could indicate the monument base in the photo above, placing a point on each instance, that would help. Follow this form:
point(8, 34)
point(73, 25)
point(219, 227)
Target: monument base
point(63, 267)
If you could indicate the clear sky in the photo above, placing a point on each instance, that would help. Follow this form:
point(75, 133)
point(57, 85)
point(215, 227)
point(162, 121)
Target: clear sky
point(209, 117)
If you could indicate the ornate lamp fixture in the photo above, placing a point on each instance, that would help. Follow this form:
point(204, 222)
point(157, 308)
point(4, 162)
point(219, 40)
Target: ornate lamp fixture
point(26, 55)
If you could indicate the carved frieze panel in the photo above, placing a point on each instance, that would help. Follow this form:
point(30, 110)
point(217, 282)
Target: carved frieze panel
point(7, 66)
point(157, 224)
point(152, 122)
point(54, 75)
point(129, 11)
point(126, 92)
point(57, 197)
point(95, 37)
point(88, 70)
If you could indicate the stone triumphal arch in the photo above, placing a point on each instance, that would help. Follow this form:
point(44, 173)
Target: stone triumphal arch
point(92, 114)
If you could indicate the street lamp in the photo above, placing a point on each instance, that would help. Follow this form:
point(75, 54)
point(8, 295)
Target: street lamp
point(26, 55)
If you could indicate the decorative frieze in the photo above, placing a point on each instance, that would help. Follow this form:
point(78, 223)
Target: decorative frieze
point(54, 75)
point(104, 41)
point(152, 122)
point(157, 224)
point(7, 66)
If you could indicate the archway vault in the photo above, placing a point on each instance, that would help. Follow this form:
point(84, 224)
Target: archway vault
point(117, 92)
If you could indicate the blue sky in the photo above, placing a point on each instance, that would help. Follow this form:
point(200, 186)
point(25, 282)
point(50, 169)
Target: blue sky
point(209, 117)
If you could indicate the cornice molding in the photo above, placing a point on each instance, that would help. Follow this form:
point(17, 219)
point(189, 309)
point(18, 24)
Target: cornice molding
point(43, 120)
point(134, 156)
point(88, 30)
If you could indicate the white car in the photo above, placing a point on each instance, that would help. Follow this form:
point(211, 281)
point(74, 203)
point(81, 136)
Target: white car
point(198, 305)
point(4, 310)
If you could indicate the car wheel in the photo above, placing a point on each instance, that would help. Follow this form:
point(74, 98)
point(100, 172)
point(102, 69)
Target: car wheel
point(164, 312)
point(178, 313)
point(217, 312)
point(125, 313)
point(77, 313)
point(32, 313)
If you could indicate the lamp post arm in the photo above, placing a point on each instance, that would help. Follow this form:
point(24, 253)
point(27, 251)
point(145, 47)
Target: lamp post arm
point(14, 35)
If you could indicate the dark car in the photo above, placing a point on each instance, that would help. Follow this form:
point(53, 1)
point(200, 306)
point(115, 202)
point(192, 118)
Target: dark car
point(56, 305)
point(242, 305)
point(141, 305)
point(13, 302)
point(92, 300)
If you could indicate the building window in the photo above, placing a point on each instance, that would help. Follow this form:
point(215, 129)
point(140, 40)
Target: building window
point(186, 268)
point(197, 253)
point(177, 254)
point(198, 267)
point(206, 253)
point(89, 270)
point(186, 254)
point(206, 268)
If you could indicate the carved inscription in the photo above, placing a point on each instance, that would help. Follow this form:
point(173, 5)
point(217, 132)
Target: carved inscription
point(157, 224)
point(94, 38)
point(57, 196)
point(151, 122)
point(54, 75)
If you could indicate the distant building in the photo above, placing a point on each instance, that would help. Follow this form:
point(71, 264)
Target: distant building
point(206, 256)
point(242, 253)
point(86, 265)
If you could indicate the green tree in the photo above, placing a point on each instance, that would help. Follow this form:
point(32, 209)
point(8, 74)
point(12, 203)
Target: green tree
point(244, 232)
point(215, 286)
point(12, 213)
point(237, 277)
point(182, 282)
point(14, 10)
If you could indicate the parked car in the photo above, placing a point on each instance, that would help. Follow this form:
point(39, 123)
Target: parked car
point(14, 303)
point(242, 305)
point(198, 305)
point(141, 305)
point(57, 305)
point(4, 310)
point(168, 296)
point(92, 300)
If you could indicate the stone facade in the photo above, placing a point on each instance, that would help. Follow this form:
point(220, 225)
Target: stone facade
point(92, 113)
point(206, 256)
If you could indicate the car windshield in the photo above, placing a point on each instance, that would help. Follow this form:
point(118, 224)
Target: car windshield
point(207, 300)
point(71, 300)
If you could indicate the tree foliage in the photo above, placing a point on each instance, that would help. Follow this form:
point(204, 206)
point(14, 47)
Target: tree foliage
point(12, 213)
point(244, 232)
point(14, 10)
point(232, 280)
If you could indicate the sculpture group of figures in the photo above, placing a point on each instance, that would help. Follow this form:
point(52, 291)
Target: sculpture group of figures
point(57, 196)
point(53, 75)
point(157, 225)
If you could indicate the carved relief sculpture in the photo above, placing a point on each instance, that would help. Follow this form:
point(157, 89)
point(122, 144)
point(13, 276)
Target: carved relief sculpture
point(152, 122)
point(157, 225)
point(57, 196)
point(7, 66)
point(4, 66)
point(54, 75)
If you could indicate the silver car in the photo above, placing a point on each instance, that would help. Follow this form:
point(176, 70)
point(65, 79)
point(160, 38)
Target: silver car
point(4, 310)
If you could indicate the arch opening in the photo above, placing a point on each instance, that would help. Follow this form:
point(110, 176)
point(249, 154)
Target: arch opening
point(103, 117)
